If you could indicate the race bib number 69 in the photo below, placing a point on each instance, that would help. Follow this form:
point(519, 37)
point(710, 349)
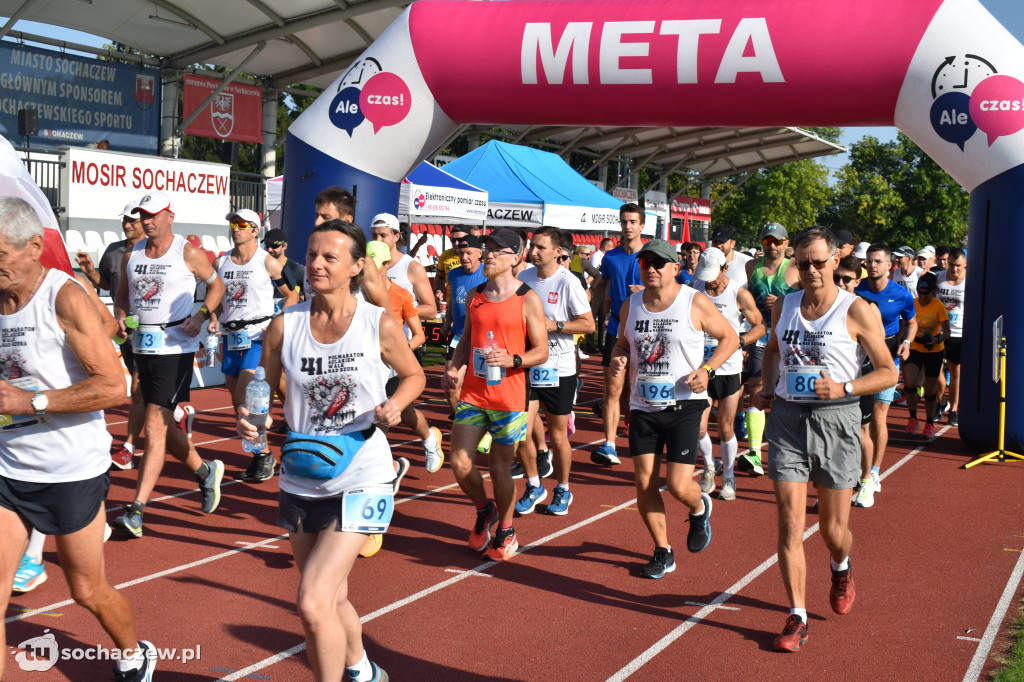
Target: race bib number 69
point(367, 509)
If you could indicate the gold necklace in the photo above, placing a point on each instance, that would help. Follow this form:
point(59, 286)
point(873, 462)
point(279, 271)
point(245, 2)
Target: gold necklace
point(35, 288)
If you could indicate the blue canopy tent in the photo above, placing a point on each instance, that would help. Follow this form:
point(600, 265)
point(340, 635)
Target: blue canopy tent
point(528, 188)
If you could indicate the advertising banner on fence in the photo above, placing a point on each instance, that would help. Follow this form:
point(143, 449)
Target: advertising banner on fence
point(80, 100)
point(235, 114)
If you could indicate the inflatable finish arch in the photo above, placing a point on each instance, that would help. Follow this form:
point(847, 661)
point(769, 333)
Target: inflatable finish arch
point(943, 71)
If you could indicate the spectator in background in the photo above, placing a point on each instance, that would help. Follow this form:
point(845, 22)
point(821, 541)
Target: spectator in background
point(845, 243)
point(292, 272)
point(599, 314)
point(604, 247)
point(689, 254)
point(941, 258)
point(925, 259)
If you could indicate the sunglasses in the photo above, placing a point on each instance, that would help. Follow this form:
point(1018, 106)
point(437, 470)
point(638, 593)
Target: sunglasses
point(275, 245)
point(771, 241)
point(843, 279)
point(242, 226)
point(562, 259)
point(804, 265)
point(656, 263)
point(498, 251)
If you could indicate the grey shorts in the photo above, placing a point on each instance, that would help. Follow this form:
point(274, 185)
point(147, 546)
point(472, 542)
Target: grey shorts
point(819, 444)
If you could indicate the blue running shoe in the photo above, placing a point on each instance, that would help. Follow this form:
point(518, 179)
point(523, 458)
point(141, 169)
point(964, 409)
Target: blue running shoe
point(605, 455)
point(530, 499)
point(560, 501)
point(30, 575)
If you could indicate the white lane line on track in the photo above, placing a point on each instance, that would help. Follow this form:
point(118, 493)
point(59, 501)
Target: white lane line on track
point(479, 575)
point(989, 636)
point(969, 639)
point(721, 606)
point(733, 589)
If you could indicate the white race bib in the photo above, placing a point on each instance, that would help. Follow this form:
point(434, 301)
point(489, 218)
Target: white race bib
point(238, 340)
point(656, 392)
point(544, 376)
point(19, 421)
point(149, 339)
point(800, 382)
point(367, 509)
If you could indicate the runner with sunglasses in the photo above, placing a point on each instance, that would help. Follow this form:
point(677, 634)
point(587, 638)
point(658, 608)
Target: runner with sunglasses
point(812, 370)
point(662, 343)
point(768, 278)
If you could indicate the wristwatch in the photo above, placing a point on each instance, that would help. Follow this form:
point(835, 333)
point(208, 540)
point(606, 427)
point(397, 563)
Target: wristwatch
point(559, 326)
point(517, 361)
point(40, 402)
point(711, 372)
point(848, 388)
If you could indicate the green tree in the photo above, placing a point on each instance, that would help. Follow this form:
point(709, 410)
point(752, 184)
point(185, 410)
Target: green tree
point(892, 192)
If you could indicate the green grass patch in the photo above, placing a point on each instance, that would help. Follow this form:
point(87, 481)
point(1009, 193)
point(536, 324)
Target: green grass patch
point(433, 355)
point(1013, 660)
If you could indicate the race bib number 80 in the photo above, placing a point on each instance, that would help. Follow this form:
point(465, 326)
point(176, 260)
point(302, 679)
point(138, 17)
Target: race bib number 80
point(800, 382)
point(367, 509)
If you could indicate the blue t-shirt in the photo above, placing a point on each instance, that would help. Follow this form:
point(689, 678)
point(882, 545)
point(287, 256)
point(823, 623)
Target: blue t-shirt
point(894, 302)
point(462, 283)
point(685, 278)
point(621, 269)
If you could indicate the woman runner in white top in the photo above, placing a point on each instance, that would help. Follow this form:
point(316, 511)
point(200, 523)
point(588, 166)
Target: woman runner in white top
point(327, 350)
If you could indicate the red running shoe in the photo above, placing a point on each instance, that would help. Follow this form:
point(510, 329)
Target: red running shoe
point(793, 636)
point(122, 458)
point(486, 519)
point(912, 424)
point(929, 430)
point(504, 546)
point(842, 594)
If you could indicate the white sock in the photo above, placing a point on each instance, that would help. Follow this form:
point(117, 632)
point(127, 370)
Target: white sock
point(729, 448)
point(845, 565)
point(129, 447)
point(535, 481)
point(705, 449)
point(363, 669)
point(134, 663)
point(35, 545)
point(178, 413)
point(563, 486)
point(702, 509)
point(431, 440)
point(799, 612)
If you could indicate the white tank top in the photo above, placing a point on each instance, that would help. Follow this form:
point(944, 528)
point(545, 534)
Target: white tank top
point(563, 298)
point(908, 282)
point(952, 296)
point(249, 293)
point(162, 290)
point(664, 349)
point(333, 388)
point(34, 351)
point(399, 274)
point(727, 305)
point(808, 346)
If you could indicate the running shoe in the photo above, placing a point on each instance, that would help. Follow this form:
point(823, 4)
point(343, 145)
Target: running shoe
point(484, 446)
point(31, 574)
point(940, 409)
point(699, 535)
point(865, 496)
point(130, 522)
point(107, 532)
point(434, 455)
point(517, 470)
point(401, 469)
point(560, 501)
point(530, 499)
point(728, 491)
point(378, 673)
point(877, 481)
point(663, 562)
point(583, 356)
point(900, 399)
point(122, 458)
point(598, 410)
point(579, 389)
point(953, 419)
point(750, 461)
point(486, 519)
point(842, 594)
point(504, 546)
point(545, 467)
point(210, 486)
point(185, 423)
point(929, 430)
point(260, 469)
point(793, 636)
point(707, 480)
point(605, 455)
point(912, 424)
point(143, 674)
point(372, 545)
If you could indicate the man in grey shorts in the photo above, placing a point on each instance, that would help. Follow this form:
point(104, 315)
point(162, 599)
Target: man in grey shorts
point(812, 368)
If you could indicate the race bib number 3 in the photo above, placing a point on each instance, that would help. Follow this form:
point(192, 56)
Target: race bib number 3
point(657, 393)
point(367, 509)
point(544, 376)
point(149, 339)
point(800, 382)
point(239, 340)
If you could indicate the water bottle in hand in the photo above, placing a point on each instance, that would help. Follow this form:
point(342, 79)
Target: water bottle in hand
point(257, 402)
point(493, 371)
point(211, 350)
point(131, 323)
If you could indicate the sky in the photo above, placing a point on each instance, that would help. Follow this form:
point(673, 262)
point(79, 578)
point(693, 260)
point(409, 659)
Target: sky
point(1010, 14)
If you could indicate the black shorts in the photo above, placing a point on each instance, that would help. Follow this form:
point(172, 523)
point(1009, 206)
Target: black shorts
point(752, 365)
point(557, 399)
point(56, 508)
point(953, 347)
point(932, 362)
point(723, 386)
point(128, 355)
point(676, 430)
point(391, 386)
point(300, 514)
point(609, 346)
point(165, 379)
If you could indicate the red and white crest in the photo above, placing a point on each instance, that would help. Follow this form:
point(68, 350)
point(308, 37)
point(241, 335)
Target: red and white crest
point(552, 297)
point(222, 113)
point(145, 90)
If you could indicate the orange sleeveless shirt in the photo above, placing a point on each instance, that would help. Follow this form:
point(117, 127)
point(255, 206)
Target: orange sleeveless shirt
point(505, 319)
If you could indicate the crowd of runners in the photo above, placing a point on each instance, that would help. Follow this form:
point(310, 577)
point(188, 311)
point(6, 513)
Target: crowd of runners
point(797, 345)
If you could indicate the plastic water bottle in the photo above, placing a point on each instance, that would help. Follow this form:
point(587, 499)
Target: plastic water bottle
point(131, 323)
point(493, 371)
point(211, 350)
point(257, 402)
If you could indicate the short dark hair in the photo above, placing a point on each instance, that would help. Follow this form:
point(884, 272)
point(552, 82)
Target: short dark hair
point(878, 246)
point(604, 241)
point(809, 234)
point(941, 251)
point(552, 233)
point(632, 208)
point(358, 248)
point(851, 263)
point(957, 253)
point(339, 197)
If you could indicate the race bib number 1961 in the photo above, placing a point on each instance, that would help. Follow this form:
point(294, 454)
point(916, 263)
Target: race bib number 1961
point(368, 509)
point(656, 393)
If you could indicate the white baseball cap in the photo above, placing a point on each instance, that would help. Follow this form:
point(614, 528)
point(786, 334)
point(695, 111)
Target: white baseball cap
point(154, 202)
point(710, 264)
point(244, 215)
point(129, 210)
point(388, 219)
point(861, 251)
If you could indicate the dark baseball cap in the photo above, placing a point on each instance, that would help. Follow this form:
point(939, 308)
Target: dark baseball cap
point(469, 240)
point(843, 237)
point(723, 233)
point(506, 239)
point(275, 237)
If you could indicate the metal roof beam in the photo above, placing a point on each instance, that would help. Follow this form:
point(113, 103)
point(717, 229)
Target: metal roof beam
point(190, 18)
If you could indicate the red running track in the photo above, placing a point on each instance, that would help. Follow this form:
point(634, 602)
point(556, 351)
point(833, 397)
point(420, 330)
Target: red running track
point(937, 561)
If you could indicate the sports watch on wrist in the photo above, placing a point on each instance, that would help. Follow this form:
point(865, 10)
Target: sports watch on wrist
point(848, 388)
point(711, 372)
point(517, 361)
point(40, 402)
point(559, 326)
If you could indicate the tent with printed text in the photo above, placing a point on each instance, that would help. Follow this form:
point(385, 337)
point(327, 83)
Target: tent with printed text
point(429, 194)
